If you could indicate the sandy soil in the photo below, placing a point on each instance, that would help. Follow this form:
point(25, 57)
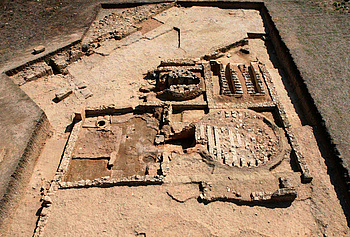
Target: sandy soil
point(138, 210)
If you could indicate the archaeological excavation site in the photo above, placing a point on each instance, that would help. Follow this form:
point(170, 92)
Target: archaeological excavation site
point(170, 119)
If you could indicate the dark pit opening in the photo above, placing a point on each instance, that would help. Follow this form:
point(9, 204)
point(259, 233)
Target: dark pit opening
point(54, 67)
point(184, 143)
point(101, 123)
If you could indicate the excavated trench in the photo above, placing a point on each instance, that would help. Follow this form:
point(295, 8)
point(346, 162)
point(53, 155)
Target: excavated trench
point(91, 166)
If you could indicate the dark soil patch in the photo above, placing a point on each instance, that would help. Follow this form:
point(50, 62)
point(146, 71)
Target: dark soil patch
point(149, 24)
point(82, 169)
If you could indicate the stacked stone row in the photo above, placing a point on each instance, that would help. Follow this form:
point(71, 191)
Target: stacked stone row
point(236, 82)
point(306, 175)
point(224, 87)
point(107, 181)
point(248, 80)
point(259, 82)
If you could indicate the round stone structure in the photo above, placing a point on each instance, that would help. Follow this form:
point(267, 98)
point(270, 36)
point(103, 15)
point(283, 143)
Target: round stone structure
point(241, 138)
point(180, 85)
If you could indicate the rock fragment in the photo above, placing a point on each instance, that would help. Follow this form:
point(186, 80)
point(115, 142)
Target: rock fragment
point(245, 50)
point(159, 139)
point(113, 158)
point(63, 93)
point(47, 201)
point(145, 89)
point(44, 212)
point(75, 55)
point(39, 49)
point(78, 83)
point(86, 93)
point(59, 62)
